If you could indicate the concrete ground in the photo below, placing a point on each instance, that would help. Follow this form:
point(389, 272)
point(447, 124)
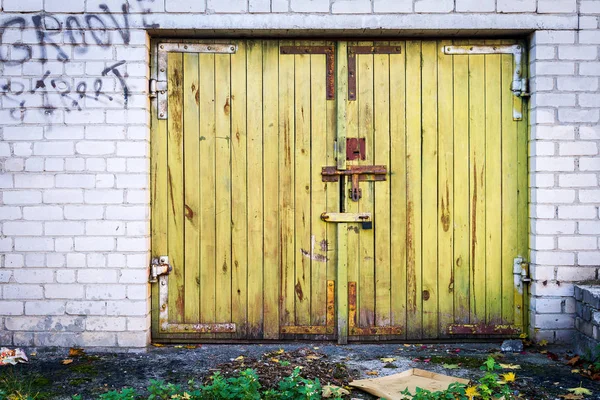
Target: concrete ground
point(543, 373)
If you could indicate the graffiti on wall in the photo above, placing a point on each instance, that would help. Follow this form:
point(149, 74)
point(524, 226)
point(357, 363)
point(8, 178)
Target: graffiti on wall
point(59, 39)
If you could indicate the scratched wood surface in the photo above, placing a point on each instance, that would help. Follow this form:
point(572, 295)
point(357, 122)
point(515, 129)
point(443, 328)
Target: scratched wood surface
point(237, 192)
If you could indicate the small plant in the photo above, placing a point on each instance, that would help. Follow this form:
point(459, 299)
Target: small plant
point(17, 386)
point(295, 387)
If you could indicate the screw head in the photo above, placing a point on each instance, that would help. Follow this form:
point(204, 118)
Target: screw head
point(162, 115)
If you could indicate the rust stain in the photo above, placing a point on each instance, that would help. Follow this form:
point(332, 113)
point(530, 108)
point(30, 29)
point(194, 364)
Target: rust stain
point(474, 220)
point(237, 135)
point(410, 261)
point(224, 266)
point(237, 264)
point(299, 292)
point(324, 245)
point(179, 304)
point(189, 213)
point(171, 192)
point(286, 144)
point(446, 210)
point(314, 257)
point(226, 107)
point(353, 228)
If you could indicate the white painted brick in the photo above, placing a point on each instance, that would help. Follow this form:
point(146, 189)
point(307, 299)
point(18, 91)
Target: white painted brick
point(35, 260)
point(553, 164)
point(95, 164)
point(589, 68)
point(589, 132)
point(574, 274)
point(103, 196)
point(392, 6)
point(105, 180)
point(133, 308)
point(22, 197)
point(105, 133)
point(55, 260)
point(547, 305)
point(185, 6)
point(74, 164)
point(33, 244)
point(64, 291)
point(588, 258)
point(64, 228)
point(65, 276)
point(577, 84)
point(133, 339)
point(553, 196)
point(22, 291)
point(95, 148)
point(138, 292)
point(35, 164)
point(577, 212)
point(23, 149)
point(138, 229)
point(19, 228)
point(4, 150)
point(6, 181)
point(554, 227)
point(557, 6)
point(14, 165)
point(84, 212)
point(23, 133)
point(133, 244)
point(133, 276)
point(590, 7)
point(86, 307)
point(44, 308)
point(552, 258)
point(96, 275)
point(105, 228)
point(588, 22)
point(54, 164)
point(539, 148)
point(578, 180)
point(589, 100)
point(589, 196)
point(351, 7)
point(434, 6)
point(47, 148)
point(76, 260)
point(43, 213)
point(10, 213)
point(138, 196)
point(63, 244)
point(116, 164)
point(280, 6)
point(11, 307)
point(309, 6)
point(138, 260)
point(589, 164)
point(126, 213)
point(94, 243)
point(554, 321)
point(513, 6)
point(589, 227)
point(475, 5)
point(133, 149)
point(138, 323)
point(63, 196)
point(538, 242)
point(75, 180)
point(578, 115)
point(578, 243)
point(578, 148)
point(554, 37)
point(133, 181)
point(138, 132)
point(34, 181)
point(95, 260)
point(105, 323)
point(592, 36)
point(230, 6)
point(552, 68)
point(105, 292)
point(56, 6)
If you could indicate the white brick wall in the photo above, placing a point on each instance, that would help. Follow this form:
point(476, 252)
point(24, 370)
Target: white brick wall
point(74, 207)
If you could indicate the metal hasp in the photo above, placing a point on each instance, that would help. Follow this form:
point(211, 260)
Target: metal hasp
point(356, 173)
point(329, 52)
point(159, 266)
point(520, 273)
point(519, 82)
point(159, 88)
point(356, 149)
point(353, 51)
point(363, 218)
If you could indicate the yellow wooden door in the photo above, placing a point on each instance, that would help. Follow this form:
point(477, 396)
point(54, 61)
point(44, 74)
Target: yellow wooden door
point(452, 215)
point(240, 138)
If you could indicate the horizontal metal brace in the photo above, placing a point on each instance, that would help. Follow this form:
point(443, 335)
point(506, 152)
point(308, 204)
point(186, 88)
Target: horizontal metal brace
point(482, 329)
point(329, 52)
point(346, 217)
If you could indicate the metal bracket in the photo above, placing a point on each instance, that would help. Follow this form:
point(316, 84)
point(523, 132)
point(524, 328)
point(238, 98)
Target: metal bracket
point(354, 329)
point(159, 88)
point(519, 82)
point(353, 51)
point(329, 52)
point(520, 273)
point(357, 173)
point(159, 266)
point(327, 329)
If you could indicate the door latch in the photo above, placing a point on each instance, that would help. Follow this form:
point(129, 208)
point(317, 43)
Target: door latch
point(159, 266)
point(521, 273)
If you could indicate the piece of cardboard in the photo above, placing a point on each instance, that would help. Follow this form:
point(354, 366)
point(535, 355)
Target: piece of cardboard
point(391, 387)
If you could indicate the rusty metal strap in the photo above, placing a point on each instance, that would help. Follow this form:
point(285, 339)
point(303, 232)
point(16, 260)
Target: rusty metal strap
point(364, 172)
point(353, 51)
point(329, 52)
point(317, 329)
point(482, 329)
point(354, 329)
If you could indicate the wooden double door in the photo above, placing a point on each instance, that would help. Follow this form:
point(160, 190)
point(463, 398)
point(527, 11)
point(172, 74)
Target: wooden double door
point(337, 190)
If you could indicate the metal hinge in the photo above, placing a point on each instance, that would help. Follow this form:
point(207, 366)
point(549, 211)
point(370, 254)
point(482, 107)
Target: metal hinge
point(158, 88)
point(519, 85)
point(159, 266)
point(521, 273)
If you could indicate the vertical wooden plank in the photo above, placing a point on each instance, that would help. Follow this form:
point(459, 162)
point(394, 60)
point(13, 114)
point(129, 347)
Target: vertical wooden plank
point(240, 202)
point(398, 185)
point(159, 198)
point(509, 195)
point(414, 321)
point(223, 186)
point(366, 260)
point(304, 243)
point(175, 187)
point(342, 229)
point(286, 184)
point(207, 188)
point(332, 189)
point(381, 156)
point(318, 158)
point(477, 185)
point(191, 162)
point(445, 190)
point(493, 189)
point(429, 183)
point(271, 157)
point(462, 255)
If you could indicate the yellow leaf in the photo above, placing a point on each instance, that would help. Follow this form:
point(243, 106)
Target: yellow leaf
point(66, 361)
point(316, 348)
point(575, 371)
point(471, 392)
point(158, 345)
point(450, 366)
point(280, 351)
point(190, 346)
point(572, 396)
point(406, 345)
point(523, 336)
point(75, 352)
point(509, 377)
point(510, 366)
point(544, 352)
point(178, 346)
point(372, 373)
point(543, 342)
point(240, 358)
point(311, 357)
point(334, 391)
point(580, 390)
point(275, 360)
point(387, 359)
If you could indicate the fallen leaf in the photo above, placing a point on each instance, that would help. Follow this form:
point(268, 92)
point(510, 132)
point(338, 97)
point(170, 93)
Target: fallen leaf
point(580, 390)
point(450, 366)
point(240, 358)
point(316, 348)
point(387, 359)
point(573, 360)
point(275, 360)
point(509, 377)
point(372, 373)
point(571, 396)
point(334, 391)
point(66, 361)
point(76, 352)
point(190, 346)
point(523, 336)
point(575, 371)
point(544, 352)
point(158, 345)
point(178, 346)
point(427, 360)
point(311, 357)
point(280, 351)
point(406, 345)
point(510, 366)
point(543, 342)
